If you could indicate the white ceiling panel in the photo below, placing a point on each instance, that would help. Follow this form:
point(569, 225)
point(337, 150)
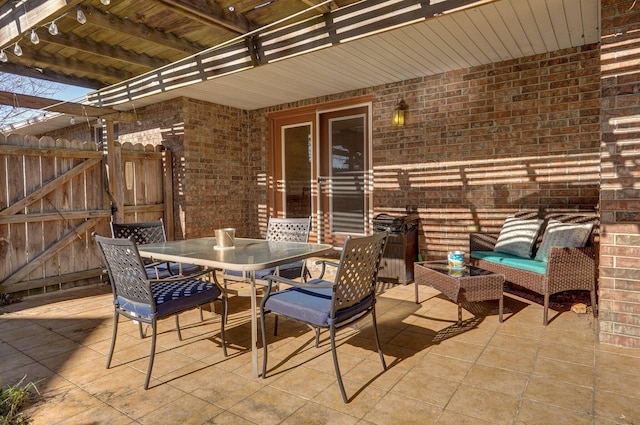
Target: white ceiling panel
point(496, 31)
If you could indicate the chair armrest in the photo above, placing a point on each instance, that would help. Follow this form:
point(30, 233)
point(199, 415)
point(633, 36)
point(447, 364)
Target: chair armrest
point(482, 241)
point(179, 277)
point(571, 268)
point(326, 263)
point(273, 278)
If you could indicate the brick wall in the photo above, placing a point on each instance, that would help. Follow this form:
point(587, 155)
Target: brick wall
point(620, 195)
point(483, 142)
point(216, 171)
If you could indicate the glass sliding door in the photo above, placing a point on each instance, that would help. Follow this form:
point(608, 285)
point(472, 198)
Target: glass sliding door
point(344, 180)
point(321, 167)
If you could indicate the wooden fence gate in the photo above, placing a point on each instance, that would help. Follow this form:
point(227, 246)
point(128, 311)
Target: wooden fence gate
point(54, 194)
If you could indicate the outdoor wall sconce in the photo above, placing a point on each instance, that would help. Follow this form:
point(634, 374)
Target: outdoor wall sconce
point(399, 112)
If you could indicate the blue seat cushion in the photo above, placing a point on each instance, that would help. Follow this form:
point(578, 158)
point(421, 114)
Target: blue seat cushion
point(173, 297)
point(312, 306)
point(290, 271)
point(184, 269)
point(528, 264)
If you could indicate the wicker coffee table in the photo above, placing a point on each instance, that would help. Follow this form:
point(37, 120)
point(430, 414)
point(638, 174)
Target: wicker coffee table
point(471, 284)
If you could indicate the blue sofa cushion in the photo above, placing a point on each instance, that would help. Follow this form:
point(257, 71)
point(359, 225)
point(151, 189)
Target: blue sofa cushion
point(528, 264)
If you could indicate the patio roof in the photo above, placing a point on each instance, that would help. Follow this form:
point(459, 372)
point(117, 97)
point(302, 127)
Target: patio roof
point(263, 54)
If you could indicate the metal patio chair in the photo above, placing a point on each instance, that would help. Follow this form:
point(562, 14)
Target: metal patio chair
point(145, 300)
point(152, 232)
point(323, 304)
point(278, 229)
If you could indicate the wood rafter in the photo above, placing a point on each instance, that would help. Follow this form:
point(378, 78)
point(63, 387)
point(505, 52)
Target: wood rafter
point(103, 50)
point(211, 15)
point(70, 108)
point(97, 72)
point(141, 31)
point(49, 75)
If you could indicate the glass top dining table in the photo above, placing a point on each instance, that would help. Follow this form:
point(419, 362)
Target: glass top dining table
point(247, 255)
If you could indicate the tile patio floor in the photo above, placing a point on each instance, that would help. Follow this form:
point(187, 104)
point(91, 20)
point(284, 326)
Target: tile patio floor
point(517, 372)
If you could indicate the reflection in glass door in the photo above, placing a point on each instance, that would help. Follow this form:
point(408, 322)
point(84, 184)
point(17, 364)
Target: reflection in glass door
point(347, 174)
point(344, 174)
point(297, 156)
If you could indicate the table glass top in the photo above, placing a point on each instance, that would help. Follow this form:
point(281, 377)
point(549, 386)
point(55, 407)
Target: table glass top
point(443, 267)
point(247, 255)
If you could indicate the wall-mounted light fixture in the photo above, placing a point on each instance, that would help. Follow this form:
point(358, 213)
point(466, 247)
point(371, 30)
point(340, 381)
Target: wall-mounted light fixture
point(399, 113)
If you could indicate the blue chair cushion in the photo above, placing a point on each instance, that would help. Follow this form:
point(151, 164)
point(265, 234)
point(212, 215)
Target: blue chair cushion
point(312, 305)
point(528, 264)
point(173, 297)
point(187, 269)
point(290, 271)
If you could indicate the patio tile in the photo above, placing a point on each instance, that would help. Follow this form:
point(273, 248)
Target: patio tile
point(494, 407)
point(224, 389)
point(617, 407)
point(426, 388)
point(397, 410)
point(138, 402)
point(458, 350)
point(558, 350)
point(506, 359)
point(314, 414)
point(534, 413)
point(560, 394)
point(564, 371)
point(449, 417)
point(268, 406)
point(103, 415)
point(444, 367)
point(496, 379)
point(68, 402)
point(303, 382)
point(518, 372)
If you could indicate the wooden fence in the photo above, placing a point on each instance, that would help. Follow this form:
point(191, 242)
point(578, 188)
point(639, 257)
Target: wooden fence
point(54, 194)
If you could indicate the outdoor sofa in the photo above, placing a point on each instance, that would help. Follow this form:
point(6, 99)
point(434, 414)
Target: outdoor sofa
point(566, 261)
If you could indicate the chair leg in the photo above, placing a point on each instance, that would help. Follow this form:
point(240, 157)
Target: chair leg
point(152, 354)
point(264, 342)
point(223, 299)
point(317, 330)
point(113, 338)
point(375, 333)
point(275, 325)
point(332, 333)
point(178, 328)
point(545, 314)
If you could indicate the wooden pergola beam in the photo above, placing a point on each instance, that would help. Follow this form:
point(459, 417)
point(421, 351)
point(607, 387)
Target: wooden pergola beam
point(49, 75)
point(141, 31)
point(104, 50)
point(69, 108)
point(212, 15)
